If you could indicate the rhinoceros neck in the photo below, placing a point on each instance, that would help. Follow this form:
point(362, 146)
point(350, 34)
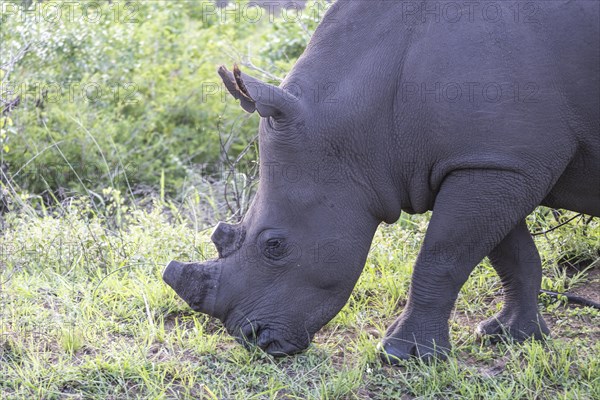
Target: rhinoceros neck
point(348, 76)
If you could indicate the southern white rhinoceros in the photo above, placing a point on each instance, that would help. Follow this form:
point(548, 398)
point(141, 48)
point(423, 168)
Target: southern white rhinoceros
point(478, 111)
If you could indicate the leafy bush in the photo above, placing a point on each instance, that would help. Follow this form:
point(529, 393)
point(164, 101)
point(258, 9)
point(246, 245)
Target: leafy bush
point(133, 99)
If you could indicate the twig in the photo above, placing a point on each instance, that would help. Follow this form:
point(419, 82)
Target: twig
point(247, 63)
point(226, 160)
point(238, 192)
point(7, 104)
point(571, 298)
point(557, 226)
point(9, 66)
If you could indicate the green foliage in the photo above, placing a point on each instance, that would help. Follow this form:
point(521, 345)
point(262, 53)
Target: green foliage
point(5, 127)
point(286, 41)
point(135, 94)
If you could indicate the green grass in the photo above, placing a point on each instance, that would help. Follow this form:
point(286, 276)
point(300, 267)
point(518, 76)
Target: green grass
point(85, 315)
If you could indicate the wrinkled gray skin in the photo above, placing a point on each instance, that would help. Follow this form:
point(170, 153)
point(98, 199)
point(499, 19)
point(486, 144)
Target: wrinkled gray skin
point(367, 148)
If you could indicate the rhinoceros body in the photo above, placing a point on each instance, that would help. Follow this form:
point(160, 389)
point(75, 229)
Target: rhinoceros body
point(393, 107)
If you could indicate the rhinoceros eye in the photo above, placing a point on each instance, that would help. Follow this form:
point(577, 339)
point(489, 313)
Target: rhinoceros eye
point(275, 249)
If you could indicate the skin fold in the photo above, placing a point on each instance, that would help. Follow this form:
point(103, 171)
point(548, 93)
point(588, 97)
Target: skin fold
point(478, 119)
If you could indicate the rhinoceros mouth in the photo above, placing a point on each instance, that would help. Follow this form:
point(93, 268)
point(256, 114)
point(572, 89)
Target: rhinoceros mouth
point(268, 340)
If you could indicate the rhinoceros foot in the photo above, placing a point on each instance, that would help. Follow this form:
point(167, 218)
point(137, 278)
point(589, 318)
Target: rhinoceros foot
point(413, 338)
point(513, 325)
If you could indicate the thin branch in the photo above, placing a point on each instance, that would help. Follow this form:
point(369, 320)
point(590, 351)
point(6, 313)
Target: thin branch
point(7, 104)
point(571, 298)
point(9, 66)
point(557, 226)
point(247, 63)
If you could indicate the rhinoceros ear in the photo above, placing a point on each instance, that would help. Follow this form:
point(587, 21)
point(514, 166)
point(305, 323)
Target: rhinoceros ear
point(255, 95)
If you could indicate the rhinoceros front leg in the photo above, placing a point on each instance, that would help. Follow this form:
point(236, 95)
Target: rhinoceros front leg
point(517, 262)
point(474, 210)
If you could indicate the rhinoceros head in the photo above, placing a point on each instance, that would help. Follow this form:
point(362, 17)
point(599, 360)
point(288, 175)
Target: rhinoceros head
point(291, 264)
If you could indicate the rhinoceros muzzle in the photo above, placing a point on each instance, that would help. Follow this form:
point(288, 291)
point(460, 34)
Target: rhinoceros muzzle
point(269, 340)
point(195, 283)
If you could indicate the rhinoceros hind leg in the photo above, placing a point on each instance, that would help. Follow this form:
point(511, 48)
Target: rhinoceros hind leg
point(516, 327)
point(517, 262)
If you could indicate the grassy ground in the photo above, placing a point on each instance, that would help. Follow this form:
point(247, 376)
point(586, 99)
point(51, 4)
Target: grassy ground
point(85, 315)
